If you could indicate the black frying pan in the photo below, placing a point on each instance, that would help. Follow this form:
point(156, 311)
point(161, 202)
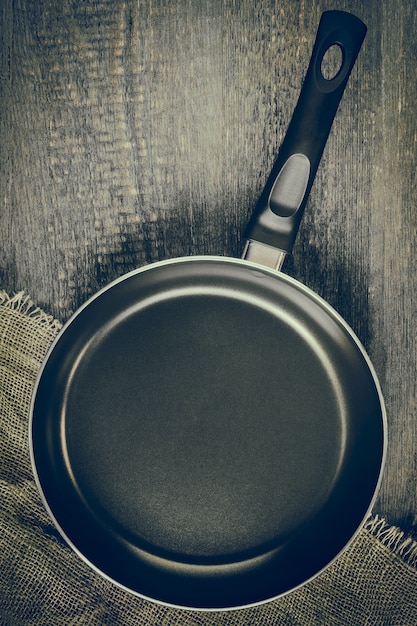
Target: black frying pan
point(207, 432)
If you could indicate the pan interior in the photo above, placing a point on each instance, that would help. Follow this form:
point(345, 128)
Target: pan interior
point(189, 423)
point(197, 411)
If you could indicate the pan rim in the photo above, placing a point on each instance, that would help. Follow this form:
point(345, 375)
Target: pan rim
point(266, 271)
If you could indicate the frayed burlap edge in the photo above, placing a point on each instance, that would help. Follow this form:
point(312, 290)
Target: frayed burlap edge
point(394, 539)
point(22, 303)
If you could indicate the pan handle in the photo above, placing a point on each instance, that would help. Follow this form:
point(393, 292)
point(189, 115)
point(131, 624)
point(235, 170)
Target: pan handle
point(274, 224)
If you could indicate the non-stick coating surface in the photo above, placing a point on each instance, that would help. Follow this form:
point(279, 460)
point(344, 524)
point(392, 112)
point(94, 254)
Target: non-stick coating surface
point(207, 433)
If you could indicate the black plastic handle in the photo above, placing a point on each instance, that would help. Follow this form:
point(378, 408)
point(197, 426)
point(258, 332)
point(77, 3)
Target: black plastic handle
point(279, 210)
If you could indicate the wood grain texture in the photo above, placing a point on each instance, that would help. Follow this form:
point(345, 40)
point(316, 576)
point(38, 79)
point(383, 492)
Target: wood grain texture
point(137, 131)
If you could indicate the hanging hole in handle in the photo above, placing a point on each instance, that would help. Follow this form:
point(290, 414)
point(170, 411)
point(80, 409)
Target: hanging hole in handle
point(332, 62)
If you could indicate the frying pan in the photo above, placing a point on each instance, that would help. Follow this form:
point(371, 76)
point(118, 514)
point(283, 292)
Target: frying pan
point(207, 432)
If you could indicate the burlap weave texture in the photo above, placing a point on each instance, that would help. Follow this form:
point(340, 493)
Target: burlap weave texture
point(42, 582)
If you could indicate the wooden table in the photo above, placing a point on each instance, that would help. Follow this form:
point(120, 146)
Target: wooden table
point(138, 131)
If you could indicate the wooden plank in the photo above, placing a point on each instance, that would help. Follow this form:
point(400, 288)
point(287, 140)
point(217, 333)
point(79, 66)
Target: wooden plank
point(133, 132)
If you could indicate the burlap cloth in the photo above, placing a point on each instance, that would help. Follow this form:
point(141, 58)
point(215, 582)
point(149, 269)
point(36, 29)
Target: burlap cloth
point(43, 582)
